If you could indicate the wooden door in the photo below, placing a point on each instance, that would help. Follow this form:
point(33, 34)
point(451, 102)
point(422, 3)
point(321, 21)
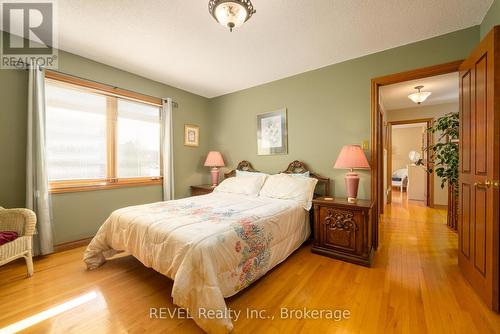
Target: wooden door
point(478, 229)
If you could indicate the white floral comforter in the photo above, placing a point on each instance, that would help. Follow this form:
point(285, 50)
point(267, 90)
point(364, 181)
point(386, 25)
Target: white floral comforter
point(212, 246)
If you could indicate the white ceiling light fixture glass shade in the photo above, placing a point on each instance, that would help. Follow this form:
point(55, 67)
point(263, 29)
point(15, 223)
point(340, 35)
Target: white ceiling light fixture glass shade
point(231, 13)
point(420, 96)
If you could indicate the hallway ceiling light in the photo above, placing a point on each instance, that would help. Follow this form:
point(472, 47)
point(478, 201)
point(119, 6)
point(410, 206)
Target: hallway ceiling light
point(231, 13)
point(419, 97)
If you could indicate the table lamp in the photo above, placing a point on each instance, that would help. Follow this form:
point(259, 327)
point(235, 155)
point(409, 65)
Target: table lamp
point(214, 160)
point(351, 157)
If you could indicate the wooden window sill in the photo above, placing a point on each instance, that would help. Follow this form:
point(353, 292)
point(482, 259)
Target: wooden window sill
point(59, 187)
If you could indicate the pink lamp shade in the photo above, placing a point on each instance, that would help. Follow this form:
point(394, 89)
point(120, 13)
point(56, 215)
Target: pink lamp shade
point(214, 159)
point(351, 157)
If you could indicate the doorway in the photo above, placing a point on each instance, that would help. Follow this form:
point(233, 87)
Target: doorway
point(407, 162)
point(409, 108)
point(379, 126)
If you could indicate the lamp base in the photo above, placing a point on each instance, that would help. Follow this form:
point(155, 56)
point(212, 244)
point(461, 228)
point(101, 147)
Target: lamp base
point(215, 176)
point(351, 186)
point(352, 200)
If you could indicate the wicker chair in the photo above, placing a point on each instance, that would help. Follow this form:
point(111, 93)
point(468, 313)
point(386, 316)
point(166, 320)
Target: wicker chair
point(22, 221)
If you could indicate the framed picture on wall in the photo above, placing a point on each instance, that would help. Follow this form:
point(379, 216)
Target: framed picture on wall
point(272, 133)
point(191, 135)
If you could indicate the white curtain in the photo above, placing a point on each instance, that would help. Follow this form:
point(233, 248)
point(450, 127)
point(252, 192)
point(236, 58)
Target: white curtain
point(167, 150)
point(37, 186)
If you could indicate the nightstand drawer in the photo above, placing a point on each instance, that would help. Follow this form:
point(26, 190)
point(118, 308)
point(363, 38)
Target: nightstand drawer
point(339, 229)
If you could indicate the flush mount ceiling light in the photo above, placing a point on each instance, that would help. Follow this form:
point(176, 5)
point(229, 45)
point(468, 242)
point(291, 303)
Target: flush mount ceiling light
point(231, 13)
point(419, 97)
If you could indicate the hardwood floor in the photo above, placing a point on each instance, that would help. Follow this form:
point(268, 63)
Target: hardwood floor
point(414, 287)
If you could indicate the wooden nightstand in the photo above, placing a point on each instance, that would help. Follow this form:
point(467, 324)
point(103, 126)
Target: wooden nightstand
point(343, 230)
point(201, 189)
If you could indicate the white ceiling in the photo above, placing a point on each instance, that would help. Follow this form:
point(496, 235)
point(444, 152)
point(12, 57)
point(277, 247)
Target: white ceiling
point(444, 89)
point(177, 42)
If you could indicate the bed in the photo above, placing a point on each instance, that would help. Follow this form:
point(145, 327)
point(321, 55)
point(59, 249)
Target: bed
point(400, 178)
point(212, 246)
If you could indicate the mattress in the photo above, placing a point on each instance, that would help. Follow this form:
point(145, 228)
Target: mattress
point(212, 246)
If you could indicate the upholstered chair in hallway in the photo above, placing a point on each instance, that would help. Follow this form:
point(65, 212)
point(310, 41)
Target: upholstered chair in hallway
point(17, 227)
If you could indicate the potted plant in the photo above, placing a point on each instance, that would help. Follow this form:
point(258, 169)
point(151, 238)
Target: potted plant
point(444, 159)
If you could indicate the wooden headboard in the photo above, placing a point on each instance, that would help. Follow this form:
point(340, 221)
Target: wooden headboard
point(293, 168)
point(243, 166)
point(298, 167)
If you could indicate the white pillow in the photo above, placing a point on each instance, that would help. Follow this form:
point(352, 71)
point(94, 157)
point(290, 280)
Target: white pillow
point(283, 186)
point(241, 185)
point(245, 173)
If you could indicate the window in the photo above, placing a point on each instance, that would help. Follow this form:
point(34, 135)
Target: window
point(100, 137)
point(76, 133)
point(138, 139)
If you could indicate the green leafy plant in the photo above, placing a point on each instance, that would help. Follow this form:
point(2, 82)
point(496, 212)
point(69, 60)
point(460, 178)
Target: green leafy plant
point(444, 153)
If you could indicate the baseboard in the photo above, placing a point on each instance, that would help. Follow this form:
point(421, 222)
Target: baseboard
point(72, 244)
point(440, 206)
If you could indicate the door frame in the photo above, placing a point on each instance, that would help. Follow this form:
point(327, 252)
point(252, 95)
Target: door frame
point(429, 177)
point(377, 127)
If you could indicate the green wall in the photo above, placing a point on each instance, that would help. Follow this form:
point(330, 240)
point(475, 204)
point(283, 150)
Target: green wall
point(13, 118)
point(78, 215)
point(491, 19)
point(327, 108)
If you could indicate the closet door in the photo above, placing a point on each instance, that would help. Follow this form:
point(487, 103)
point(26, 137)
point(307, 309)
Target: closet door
point(478, 253)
